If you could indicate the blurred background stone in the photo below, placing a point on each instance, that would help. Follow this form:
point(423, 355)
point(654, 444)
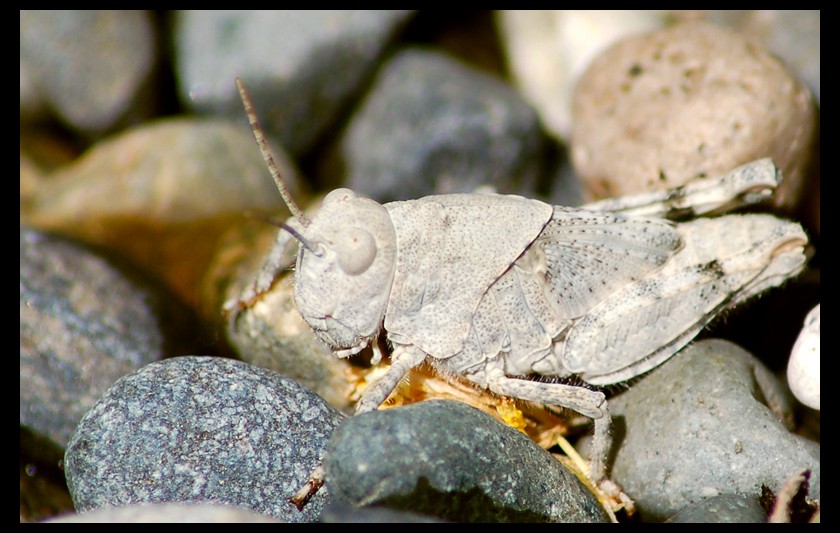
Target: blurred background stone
point(85, 321)
point(161, 194)
point(432, 125)
point(301, 66)
point(792, 35)
point(95, 69)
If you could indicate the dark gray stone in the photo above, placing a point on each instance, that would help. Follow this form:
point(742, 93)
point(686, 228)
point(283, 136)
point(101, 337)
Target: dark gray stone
point(300, 67)
point(723, 509)
point(346, 514)
point(433, 125)
point(449, 460)
point(84, 323)
point(696, 428)
point(201, 429)
point(93, 67)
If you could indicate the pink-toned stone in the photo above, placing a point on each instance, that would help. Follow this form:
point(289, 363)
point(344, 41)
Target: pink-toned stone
point(657, 110)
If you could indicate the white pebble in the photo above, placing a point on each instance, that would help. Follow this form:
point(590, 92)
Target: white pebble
point(804, 366)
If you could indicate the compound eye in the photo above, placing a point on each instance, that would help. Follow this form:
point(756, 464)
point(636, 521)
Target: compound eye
point(338, 195)
point(355, 250)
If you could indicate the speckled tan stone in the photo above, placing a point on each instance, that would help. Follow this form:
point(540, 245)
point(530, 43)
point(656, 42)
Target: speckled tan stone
point(656, 110)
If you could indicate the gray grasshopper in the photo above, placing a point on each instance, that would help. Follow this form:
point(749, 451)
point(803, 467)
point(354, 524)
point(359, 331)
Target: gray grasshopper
point(497, 288)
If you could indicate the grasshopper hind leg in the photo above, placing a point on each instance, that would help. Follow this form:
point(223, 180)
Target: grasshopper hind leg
point(588, 402)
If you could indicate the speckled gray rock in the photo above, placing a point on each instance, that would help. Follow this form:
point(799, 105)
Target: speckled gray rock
point(723, 509)
point(171, 513)
point(433, 125)
point(93, 67)
point(695, 428)
point(450, 460)
point(84, 323)
point(201, 429)
point(300, 66)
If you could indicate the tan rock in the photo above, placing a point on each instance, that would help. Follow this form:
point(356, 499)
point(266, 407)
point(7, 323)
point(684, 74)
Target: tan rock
point(160, 195)
point(657, 110)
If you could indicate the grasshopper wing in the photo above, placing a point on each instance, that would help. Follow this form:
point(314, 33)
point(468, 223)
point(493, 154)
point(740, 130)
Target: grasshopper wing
point(584, 256)
point(724, 261)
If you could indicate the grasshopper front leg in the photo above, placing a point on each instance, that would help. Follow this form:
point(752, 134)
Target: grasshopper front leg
point(403, 359)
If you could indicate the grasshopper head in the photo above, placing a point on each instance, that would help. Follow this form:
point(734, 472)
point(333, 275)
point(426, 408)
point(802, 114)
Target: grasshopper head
point(346, 261)
point(345, 268)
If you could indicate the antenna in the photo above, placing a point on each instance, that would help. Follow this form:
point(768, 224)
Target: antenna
point(315, 248)
point(266, 153)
